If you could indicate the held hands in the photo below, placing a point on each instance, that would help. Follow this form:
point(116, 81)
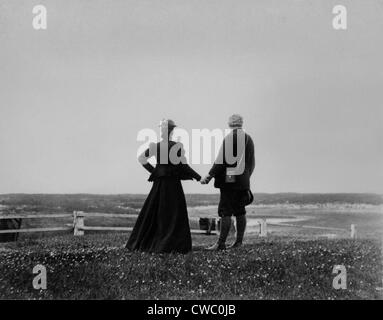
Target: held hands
point(206, 179)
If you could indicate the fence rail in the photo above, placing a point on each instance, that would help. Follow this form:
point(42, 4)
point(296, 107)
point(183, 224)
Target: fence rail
point(352, 228)
point(34, 216)
point(36, 230)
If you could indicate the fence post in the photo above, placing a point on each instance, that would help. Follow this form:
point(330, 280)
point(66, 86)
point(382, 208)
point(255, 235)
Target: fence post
point(78, 223)
point(263, 228)
point(353, 231)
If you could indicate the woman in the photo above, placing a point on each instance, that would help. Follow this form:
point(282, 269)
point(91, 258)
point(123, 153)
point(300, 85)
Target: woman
point(163, 224)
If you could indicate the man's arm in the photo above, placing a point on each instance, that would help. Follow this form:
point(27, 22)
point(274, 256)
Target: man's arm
point(218, 165)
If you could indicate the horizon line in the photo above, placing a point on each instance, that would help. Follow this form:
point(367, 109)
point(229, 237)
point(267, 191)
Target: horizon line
point(189, 193)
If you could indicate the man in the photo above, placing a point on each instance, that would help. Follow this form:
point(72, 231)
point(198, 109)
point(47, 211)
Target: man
point(232, 170)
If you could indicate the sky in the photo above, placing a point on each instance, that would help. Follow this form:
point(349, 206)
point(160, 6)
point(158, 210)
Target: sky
point(73, 97)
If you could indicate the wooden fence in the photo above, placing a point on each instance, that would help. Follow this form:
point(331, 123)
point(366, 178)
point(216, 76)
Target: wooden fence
point(36, 216)
point(78, 227)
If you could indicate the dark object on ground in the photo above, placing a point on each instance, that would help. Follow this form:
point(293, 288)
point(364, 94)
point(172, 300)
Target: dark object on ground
point(9, 224)
point(207, 224)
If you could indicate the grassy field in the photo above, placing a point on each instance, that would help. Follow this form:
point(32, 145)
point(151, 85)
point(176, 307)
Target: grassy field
point(98, 267)
point(291, 263)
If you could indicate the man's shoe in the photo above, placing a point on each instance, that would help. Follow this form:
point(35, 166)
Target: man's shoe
point(216, 247)
point(236, 244)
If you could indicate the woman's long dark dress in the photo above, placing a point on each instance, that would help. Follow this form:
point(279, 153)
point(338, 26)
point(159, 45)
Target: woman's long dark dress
point(163, 224)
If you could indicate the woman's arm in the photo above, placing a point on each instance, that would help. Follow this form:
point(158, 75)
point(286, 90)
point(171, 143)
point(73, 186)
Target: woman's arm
point(143, 158)
point(181, 159)
point(191, 172)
